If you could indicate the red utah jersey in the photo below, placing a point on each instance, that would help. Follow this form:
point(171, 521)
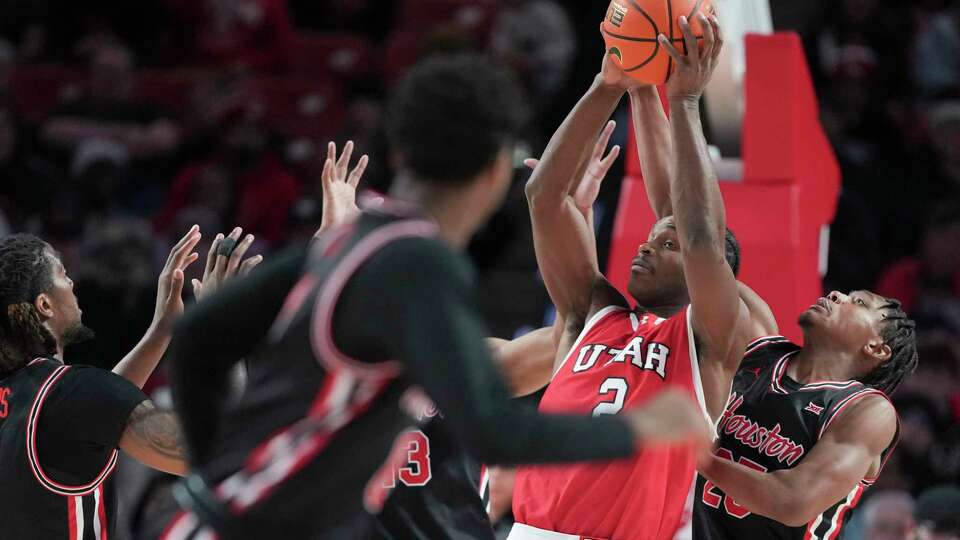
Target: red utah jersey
point(620, 360)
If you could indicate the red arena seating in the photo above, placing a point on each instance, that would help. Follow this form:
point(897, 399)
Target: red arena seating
point(323, 56)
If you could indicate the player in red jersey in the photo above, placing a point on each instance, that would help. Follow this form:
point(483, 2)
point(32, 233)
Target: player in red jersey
point(687, 331)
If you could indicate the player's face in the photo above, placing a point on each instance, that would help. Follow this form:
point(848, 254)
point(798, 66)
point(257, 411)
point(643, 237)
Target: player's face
point(62, 301)
point(656, 273)
point(850, 319)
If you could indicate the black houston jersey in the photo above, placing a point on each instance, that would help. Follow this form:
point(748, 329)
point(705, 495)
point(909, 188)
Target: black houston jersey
point(771, 422)
point(438, 492)
point(305, 447)
point(54, 486)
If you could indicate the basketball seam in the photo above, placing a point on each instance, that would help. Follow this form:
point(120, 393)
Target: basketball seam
point(670, 24)
point(656, 32)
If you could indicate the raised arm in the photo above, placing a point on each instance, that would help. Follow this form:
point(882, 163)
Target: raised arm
point(720, 318)
point(655, 148)
point(849, 450)
point(564, 243)
point(654, 145)
point(139, 363)
point(340, 187)
point(528, 362)
point(153, 437)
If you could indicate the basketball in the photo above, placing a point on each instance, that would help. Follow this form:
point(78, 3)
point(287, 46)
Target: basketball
point(630, 32)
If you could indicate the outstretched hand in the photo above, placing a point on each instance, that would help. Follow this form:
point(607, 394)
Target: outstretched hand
point(597, 169)
point(695, 68)
point(224, 262)
point(170, 284)
point(340, 186)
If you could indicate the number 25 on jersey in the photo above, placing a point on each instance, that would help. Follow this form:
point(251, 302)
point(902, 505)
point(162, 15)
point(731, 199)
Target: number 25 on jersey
point(712, 496)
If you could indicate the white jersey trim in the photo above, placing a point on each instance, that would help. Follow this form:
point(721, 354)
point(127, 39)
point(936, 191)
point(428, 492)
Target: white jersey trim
point(321, 332)
point(697, 382)
point(526, 532)
point(583, 333)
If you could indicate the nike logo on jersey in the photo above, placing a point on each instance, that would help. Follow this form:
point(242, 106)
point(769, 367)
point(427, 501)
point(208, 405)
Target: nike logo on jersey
point(767, 441)
point(652, 357)
point(813, 408)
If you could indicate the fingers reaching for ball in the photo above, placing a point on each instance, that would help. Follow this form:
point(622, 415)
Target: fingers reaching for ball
point(694, 67)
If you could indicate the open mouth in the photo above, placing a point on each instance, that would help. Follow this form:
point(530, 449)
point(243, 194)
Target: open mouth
point(823, 305)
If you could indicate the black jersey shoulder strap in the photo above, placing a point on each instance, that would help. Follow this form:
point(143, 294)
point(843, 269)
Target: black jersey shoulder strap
point(321, 332)
point(33, 456)
point(762, 342)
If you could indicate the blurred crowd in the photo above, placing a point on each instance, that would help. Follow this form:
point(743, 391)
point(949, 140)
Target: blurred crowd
point(122, 124)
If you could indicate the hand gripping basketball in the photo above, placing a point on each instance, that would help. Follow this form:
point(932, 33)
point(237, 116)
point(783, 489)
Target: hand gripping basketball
point(632, 28)
point(695, 68)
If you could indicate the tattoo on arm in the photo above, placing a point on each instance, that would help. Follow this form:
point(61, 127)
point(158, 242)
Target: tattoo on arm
point(158, 430)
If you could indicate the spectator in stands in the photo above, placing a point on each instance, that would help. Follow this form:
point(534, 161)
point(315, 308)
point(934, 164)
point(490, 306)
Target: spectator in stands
point(99, 172)
point(536, 38)
point(928, 283)
point(937, 514)
point(244, 182)
point(27, 178)
point(252, 34)
point(888, 515)
point(371, 18)
point(936, 55)
point(109, 109)
point(8, 60)
point(116, 277)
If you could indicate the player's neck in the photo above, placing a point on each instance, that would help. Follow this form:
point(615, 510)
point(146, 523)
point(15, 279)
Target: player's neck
point(454, 214)
point(663, 311)
point(817, 363)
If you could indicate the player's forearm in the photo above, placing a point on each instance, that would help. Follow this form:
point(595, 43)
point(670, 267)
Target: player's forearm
point(154, 438)
point(771, 495)
point(694, 191)
point(654, 146)
point(569, 147)
point(526, 362)
point(142, 360)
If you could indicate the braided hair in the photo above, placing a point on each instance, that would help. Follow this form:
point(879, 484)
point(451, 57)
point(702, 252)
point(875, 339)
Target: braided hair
point(899, 332)
point(732, 251)
point(25, 273)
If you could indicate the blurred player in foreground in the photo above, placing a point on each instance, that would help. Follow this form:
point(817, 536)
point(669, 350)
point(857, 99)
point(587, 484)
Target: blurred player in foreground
point(439, 491)
point(380, 306)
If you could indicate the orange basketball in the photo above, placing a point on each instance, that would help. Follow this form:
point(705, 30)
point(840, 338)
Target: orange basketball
point(631, 28)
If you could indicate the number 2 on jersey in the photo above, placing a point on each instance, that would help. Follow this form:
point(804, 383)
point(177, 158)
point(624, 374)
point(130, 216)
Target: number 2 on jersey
point(712, 496)
point(616, 386)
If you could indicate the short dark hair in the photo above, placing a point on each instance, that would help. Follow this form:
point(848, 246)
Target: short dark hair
point(732, 251)
point(899, 332)
point(25, 273)
point(452, 115)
